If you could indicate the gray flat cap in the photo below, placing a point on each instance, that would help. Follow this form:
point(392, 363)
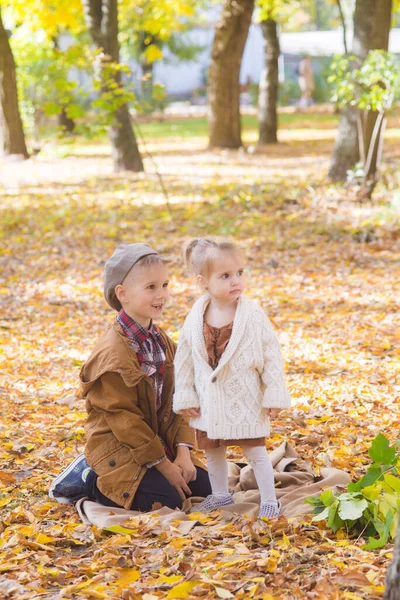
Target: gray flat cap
point(118, 266)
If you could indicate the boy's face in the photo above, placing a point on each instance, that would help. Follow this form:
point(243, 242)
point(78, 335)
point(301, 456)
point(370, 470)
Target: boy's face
point(144, 293)
point(227, 281)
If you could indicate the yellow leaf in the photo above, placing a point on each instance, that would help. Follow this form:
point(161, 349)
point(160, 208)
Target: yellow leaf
point(224, 565)
point(200, 517)
point(41, 538)
point(284, 542)
point(393, 481)
point(119, 529)
point(182, 590)
point(96, 592)
point(170, 579)
point(250, 593)
point(45, 571)
point(179, 543)
point(127, 576)
point(272, 565)
point(153, 53)
point(26, 530)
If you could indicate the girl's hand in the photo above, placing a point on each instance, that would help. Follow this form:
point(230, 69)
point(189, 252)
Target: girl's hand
point(272, 413)
point(184, 462)
point(190, 412)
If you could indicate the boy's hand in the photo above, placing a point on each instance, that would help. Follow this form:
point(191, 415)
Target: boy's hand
point(173, 474)
point(272, 413)
point(184, 462)
point(190, 412)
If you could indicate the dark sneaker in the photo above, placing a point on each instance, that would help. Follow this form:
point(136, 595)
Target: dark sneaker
point(70, 485)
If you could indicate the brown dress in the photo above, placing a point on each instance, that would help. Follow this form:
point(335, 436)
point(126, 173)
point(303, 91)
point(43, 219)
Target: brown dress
point(217, 339)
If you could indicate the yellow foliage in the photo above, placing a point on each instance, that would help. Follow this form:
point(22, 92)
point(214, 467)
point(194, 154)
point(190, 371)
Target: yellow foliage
point(54, 16)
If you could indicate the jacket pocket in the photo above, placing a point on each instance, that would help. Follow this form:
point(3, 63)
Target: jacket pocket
point(110, 457)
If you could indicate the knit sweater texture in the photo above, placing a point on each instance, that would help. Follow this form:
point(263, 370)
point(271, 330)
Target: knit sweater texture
point(249, 378)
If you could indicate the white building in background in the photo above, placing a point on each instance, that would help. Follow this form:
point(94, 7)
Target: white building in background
point(182, 78)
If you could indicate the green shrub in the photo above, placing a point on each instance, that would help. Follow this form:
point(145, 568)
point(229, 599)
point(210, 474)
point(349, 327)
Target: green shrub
point(369, 507)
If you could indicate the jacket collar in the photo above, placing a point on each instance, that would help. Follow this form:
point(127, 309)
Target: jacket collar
point(113, 352)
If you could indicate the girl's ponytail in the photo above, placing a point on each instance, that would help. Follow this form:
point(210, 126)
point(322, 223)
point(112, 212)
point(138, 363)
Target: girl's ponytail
point(200, 253)
point(188, 252)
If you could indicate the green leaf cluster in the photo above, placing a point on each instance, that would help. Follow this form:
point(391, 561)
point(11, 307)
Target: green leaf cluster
point(370, 506)
point(369, 85)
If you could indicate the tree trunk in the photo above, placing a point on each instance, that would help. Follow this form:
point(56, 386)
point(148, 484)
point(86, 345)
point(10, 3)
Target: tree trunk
point(346, 152)
point(11, 129)
point(224, 77)
point(147, 39)
point(371, 32)
point(64, 121)
point(392, 591)
point(318, 14)
point(343, 21)
point(102, 21)
point(269, 83)
point(380, 42)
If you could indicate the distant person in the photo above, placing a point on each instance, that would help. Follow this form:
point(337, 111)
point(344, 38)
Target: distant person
point(306, 82)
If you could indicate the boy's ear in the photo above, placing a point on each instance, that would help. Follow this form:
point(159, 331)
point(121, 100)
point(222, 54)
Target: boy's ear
point(120, 293)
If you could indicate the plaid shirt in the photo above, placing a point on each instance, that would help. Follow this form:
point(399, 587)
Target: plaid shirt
point(150, 349)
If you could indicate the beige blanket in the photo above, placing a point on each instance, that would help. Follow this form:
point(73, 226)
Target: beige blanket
point(294, 481)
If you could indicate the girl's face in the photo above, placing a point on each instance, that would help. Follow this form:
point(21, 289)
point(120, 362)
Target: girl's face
point(227, 279)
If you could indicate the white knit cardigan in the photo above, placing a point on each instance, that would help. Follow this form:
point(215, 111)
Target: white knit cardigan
point(248, 379)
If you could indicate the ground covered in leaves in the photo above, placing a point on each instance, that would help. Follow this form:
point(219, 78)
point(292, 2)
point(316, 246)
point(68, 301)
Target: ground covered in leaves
point(323, 265)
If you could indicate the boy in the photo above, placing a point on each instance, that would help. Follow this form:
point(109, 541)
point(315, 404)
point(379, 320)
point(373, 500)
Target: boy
point(137, 450)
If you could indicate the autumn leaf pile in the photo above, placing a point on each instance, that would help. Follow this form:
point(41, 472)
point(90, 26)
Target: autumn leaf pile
point(323, 265)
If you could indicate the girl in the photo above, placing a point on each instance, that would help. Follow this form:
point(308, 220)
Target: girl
point(229, 372)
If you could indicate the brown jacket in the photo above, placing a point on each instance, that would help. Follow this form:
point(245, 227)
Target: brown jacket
point(122, 426)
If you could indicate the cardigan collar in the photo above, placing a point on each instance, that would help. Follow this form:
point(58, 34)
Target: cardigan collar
point(238, 329)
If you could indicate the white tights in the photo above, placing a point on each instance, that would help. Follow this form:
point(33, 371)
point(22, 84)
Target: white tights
point(259, 460)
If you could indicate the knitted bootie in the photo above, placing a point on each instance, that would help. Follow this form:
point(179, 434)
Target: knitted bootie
point(270, 510)
point(213, 502)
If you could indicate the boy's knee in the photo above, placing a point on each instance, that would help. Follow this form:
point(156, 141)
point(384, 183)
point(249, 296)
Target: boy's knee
point(173, 500)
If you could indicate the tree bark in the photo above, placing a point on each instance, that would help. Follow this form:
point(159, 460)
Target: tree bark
point(269, 83)
point(371, 32)
point(11, 129)
point(102, 21)
point(392, 591)
point(224, 76)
